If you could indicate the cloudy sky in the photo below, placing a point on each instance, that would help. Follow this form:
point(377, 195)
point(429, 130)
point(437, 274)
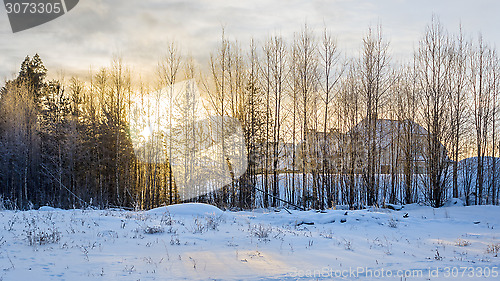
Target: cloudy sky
point(138, 30)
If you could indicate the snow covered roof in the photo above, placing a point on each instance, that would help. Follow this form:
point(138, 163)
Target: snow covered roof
point(388, 130)
point(386, 126)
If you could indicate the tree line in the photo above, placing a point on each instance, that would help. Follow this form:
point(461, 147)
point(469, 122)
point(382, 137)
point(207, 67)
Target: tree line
point(298, 100)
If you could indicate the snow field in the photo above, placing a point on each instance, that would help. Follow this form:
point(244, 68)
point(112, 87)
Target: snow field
point(200, 242)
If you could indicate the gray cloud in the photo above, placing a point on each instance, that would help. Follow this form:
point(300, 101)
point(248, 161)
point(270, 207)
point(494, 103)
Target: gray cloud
point(91, 33)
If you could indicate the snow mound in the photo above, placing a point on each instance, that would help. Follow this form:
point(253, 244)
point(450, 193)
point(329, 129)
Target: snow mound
point(414, 206)
point(394, 207)
point(453, 202)
point(48, 208)
point(188, 209)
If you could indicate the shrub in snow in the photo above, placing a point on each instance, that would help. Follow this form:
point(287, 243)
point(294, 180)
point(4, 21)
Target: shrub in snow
point(7, 204)
point(210, 222)
point(153, 229)
point(108, 234)
point(493, 249)
point(166, 219)
point(393, 223)
point(175, 240)
point(37, 237)
point(462, 243)
point(260, 231)
point(437, 256)
point(171, 230)
point(198, 226)
point(347, 245)
point(213, 221)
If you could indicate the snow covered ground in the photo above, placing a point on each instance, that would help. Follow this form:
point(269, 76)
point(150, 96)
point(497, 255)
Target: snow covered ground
point(201, 242)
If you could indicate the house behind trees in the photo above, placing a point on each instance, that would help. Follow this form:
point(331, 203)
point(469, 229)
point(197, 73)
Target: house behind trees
point(399, 143)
